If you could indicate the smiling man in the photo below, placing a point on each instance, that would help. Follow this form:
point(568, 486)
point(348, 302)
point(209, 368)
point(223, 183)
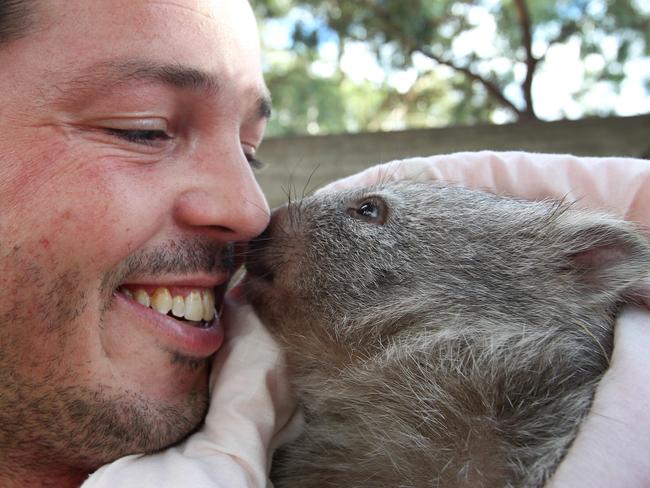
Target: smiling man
point(128, 129)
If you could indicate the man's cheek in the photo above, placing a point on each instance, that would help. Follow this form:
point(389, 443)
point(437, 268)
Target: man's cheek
point(31, 170)
point(87, 224)
point(41, 302)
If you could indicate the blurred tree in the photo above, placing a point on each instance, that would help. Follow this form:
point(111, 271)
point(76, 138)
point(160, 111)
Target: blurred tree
point(478, 80)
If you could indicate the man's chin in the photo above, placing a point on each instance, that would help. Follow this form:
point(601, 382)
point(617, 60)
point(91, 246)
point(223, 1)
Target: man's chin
point(84, 427)
point(135, 425)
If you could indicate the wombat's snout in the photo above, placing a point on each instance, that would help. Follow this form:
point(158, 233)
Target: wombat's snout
point(257, 260)
point(297, 229)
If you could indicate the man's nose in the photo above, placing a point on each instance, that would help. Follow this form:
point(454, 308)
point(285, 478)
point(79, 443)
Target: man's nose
point(223, 198)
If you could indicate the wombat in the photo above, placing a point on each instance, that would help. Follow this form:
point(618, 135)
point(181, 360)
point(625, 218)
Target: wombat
point(439, 336)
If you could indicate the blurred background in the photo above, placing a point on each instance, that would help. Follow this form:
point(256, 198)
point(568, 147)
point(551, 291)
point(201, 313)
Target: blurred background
point(366, 81)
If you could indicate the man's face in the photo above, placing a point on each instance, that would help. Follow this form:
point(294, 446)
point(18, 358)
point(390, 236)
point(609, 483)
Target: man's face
point(125, 127)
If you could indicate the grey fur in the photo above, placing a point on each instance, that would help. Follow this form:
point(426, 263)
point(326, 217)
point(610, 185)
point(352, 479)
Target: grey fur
point(455, 339)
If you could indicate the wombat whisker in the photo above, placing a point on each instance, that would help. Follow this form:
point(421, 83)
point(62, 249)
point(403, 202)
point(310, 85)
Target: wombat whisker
point(287, 191)
point(290, 190)
point(291, 184)
point(387, 173)
point(391, 176)
point(251, 252)
point(293, 213)
point(558, 208)
point(311, 175)
point(264, 210)
point(263, 238)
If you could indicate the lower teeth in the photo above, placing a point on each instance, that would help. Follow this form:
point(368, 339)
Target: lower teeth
point(201, 323)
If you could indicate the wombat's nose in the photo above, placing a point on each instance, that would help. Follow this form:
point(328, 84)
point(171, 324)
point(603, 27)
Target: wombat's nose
point(264, 236)
point(277, 222)
point(277, 216)
point(257, 260)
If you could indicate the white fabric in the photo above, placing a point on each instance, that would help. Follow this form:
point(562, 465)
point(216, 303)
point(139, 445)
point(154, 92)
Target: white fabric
point(619, 185)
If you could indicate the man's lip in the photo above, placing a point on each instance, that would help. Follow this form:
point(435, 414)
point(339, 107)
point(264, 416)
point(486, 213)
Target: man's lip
point(175, 335)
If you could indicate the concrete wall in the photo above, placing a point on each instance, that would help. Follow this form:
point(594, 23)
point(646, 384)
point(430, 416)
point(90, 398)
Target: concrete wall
point(303, 163)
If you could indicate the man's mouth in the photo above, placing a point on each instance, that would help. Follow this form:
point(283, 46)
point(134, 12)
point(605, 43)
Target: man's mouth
point(195, 306)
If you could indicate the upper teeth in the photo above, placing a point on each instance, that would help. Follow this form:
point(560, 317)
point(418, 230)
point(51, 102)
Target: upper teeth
point(198, 305)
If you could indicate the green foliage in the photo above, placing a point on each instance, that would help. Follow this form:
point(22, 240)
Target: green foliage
point(304, 103)
point(460, 84)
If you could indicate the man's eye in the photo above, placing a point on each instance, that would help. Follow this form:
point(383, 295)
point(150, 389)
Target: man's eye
point(146, 137)
point(253, 161)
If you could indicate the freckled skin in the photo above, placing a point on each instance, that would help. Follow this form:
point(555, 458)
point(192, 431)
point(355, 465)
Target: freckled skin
point(83, 383)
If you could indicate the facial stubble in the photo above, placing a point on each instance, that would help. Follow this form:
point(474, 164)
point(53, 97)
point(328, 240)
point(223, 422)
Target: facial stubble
point(47, 419)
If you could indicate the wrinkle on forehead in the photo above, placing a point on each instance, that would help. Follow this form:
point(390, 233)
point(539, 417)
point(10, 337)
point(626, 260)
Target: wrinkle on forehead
point(133, 15)
point(183, 7)
point(196, 6)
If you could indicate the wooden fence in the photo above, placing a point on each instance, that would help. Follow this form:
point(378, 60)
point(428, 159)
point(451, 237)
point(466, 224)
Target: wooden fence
point(304, 163)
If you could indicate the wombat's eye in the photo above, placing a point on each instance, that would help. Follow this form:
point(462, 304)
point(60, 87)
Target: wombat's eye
point(368, 210)
point(372, 210)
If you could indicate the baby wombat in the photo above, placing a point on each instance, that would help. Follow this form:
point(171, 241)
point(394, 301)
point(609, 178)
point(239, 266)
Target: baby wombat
point(439, 336)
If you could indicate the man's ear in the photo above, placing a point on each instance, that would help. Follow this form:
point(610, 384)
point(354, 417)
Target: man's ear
point(607, 256)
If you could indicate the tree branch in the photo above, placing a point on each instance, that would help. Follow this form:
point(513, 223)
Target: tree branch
point(491, 87)
point(412, 45)
point(531, 60)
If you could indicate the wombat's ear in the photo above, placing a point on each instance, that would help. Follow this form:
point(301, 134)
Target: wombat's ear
point(608, 256)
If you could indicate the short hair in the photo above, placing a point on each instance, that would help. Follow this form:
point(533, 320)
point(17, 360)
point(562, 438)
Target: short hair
point(15, 19)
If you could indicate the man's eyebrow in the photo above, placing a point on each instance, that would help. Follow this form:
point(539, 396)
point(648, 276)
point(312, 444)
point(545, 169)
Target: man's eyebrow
point(107, 75)
point(178, 76)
